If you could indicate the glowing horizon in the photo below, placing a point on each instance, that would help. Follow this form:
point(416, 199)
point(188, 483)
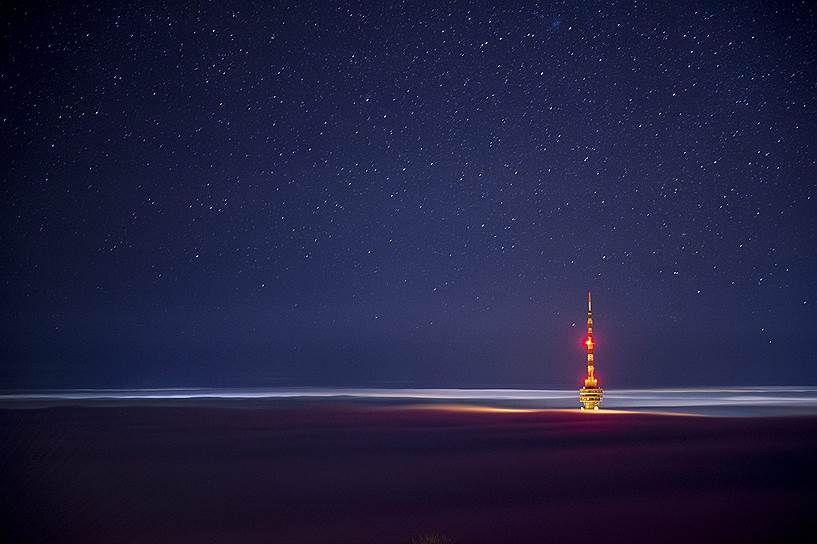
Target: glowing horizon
point(743, 400)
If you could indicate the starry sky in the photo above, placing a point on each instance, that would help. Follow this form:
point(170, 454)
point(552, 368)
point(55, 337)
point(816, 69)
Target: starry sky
point(408, 193)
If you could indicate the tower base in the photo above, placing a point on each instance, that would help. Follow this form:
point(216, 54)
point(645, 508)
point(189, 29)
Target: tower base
point(590, 397)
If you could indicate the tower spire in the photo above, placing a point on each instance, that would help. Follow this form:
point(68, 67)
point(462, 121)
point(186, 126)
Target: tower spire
point(590, 395)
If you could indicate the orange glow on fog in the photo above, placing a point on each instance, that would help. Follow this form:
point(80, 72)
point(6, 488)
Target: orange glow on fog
point(475, 409)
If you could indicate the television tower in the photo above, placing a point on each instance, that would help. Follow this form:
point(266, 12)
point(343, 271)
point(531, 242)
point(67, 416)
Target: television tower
point(590, 395)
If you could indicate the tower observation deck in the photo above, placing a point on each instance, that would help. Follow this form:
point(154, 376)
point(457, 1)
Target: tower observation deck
point(590, 395)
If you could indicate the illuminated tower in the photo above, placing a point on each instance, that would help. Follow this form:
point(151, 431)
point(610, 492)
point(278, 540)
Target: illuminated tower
point(590, 395)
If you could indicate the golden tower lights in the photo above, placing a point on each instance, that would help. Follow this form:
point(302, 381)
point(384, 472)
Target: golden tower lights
point(590, 395)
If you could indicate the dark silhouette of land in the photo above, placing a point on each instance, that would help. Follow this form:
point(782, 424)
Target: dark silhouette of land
point(366, 473)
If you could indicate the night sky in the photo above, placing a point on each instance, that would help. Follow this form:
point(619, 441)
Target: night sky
point(408, 194)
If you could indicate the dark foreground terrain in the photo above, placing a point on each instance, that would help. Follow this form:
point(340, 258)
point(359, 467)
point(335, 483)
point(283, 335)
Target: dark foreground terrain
point(327, 472)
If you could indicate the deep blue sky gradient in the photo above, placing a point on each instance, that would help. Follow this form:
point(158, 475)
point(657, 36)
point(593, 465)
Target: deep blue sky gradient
point(384, 193)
